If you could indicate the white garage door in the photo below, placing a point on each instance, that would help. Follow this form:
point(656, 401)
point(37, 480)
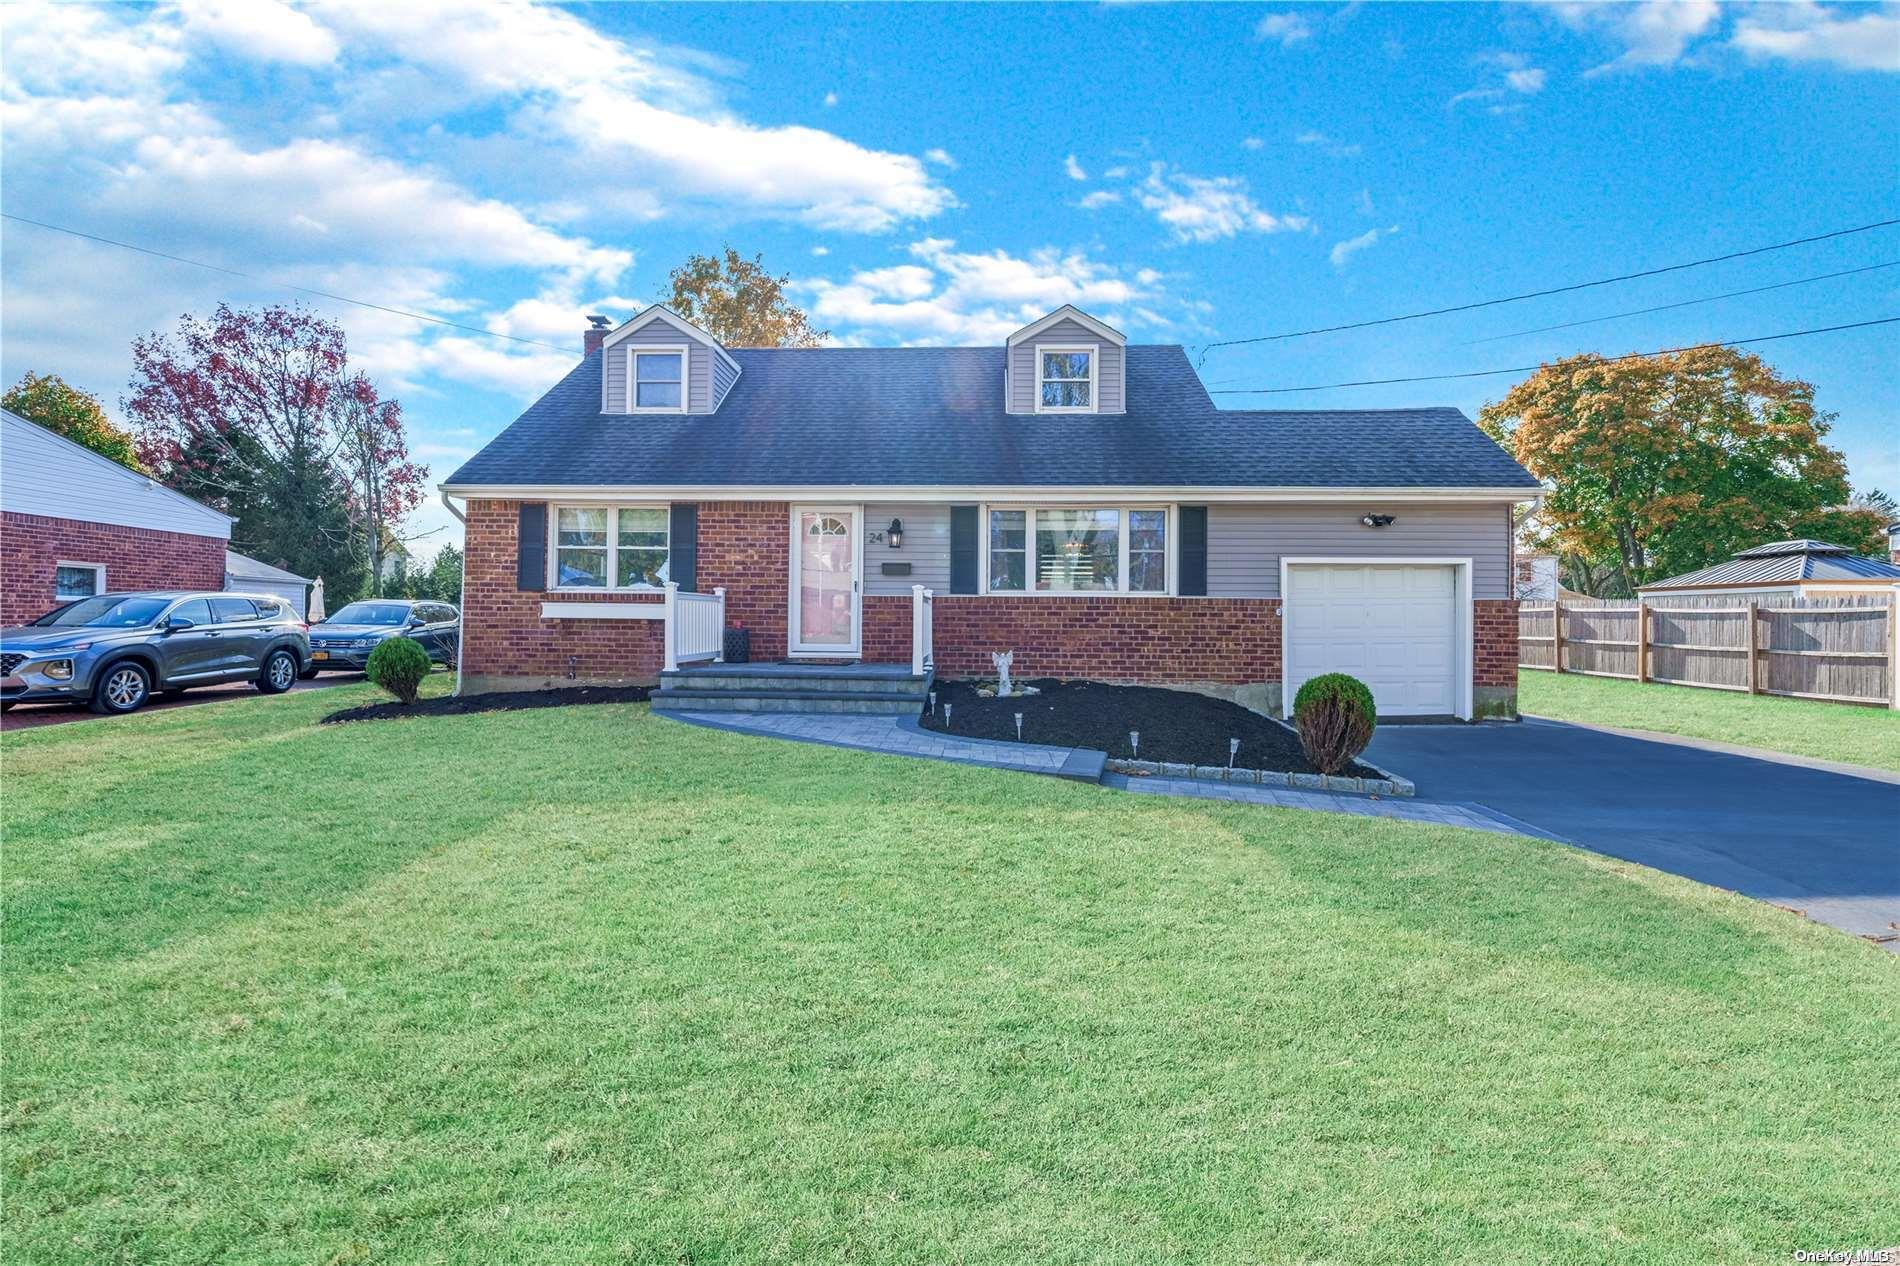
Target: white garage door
point(1393, 627)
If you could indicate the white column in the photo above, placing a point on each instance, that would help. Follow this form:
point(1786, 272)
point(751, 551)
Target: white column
point(916, 630)
point(719, 647)
point(669, 626)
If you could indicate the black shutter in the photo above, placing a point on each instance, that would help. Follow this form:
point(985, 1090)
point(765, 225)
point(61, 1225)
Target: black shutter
point(1193, 578)
point(963, 549)
point(531, 547)
point(683, 540)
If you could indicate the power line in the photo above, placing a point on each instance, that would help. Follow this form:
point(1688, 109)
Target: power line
point(1686, 303)
point(1554, 290)
point(1525, 369)
point(324, 294)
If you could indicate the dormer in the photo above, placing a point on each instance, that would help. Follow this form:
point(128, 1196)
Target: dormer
point(659, 362)
point(1068, 362)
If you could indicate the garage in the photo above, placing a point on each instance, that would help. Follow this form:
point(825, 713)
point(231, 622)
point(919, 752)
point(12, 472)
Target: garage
point(1400, 627)
point(243, 574)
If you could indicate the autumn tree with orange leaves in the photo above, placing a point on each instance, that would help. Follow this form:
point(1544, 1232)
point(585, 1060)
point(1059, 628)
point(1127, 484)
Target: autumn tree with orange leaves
point(1658, 465)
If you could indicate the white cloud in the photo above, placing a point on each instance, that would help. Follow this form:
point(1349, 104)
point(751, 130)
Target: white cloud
point(967, 297)
point(1097, 199)
point(1852, 38)
point(831, 99)
point(1343, 251)
point(643, 125)
point(941, 157)
point(1251, 142)
point(1074, 169)
point(821, 251)
point(265, 29)
point(1285, 29)
point(1653, 33)
point(1206, 208)
point(1334, 148)
point(1528, 80)
point(1510, 73)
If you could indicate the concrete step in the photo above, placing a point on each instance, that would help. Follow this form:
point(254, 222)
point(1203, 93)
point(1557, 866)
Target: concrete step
point(818, 681)
point(880, 703)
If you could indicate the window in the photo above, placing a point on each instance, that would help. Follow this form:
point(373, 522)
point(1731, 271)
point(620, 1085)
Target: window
point(197, 610)
point(1079, 550)
point(626, 543)
point(78, 580)
point(232, 610)
point(1065, 380)
point(105, 613)
point(657, 380)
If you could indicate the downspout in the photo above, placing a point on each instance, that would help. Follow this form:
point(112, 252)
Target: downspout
point(461, 641)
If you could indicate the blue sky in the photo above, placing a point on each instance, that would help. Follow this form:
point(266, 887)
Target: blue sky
point(944, 174)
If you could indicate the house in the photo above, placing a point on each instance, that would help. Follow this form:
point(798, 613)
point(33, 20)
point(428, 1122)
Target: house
point(248, 575)
point(1893, 542)
point(1066, 495)
point(1785, 569)
point(1535, 577)
point(74, 523)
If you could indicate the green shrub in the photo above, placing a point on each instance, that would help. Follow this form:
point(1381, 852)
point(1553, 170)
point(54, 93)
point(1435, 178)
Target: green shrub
point(398, 666)
point(1335, 717)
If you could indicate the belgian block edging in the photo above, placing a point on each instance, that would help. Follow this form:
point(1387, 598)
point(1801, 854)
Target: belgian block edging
point(1388, 784)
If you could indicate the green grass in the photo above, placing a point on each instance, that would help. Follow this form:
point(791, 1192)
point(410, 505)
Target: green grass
point(590, 985)
point(1800, 727)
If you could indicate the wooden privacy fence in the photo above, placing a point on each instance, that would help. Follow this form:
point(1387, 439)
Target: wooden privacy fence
point(1840, 651)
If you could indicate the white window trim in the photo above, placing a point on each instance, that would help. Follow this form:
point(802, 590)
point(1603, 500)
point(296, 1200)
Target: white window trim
point(613, 510)
point(635, 351)
point(98, 571)
point(1094, 351)
point(1463, 628)
point(1029, 590)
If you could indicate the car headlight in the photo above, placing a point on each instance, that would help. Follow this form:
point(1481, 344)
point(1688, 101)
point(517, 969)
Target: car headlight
point(58, 669)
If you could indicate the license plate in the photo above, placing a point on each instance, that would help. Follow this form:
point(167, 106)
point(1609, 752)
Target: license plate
point(319, 654)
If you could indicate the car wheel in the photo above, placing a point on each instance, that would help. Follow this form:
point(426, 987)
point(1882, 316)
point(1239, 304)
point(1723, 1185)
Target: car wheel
point(279, 673)
point(122, 688)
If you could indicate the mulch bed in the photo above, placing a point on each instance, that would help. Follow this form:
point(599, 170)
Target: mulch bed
point(1175, 725)
point(502, 701)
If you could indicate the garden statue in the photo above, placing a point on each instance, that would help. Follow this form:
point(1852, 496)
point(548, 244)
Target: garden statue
point(1002, 660)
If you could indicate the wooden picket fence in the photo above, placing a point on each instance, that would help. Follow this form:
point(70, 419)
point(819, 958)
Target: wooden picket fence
point(1842, 651)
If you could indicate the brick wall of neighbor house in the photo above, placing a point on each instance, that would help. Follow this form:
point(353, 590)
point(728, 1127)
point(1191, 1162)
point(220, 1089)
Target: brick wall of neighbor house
point(507, 645)
point(32, 545)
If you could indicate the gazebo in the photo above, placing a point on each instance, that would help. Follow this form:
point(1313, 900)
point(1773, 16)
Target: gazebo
point(1785, 569)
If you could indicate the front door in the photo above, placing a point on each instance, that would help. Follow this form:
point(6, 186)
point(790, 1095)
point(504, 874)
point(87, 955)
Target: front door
point(825, 581)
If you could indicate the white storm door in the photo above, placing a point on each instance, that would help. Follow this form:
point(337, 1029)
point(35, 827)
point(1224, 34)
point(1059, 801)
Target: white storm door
point(826, 563)
point(1393, 627)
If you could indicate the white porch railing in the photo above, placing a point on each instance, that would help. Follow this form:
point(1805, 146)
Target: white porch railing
point(695, 626)
point(921, 655)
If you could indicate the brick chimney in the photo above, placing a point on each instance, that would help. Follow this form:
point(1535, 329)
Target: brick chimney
point(598, 327)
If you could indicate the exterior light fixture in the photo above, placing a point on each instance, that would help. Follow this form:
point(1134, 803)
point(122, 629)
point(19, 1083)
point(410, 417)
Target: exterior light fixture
point(894, 535)
point(1134, 743)
point(1019, 727)
point(1376, 520)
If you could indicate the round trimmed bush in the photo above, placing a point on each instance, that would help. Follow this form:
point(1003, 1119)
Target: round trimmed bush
point(1335, 716)
point(398, 666)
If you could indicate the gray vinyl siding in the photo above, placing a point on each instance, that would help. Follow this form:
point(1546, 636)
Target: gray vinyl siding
point(926, 548)
point(699, 368)
point(1024, 380)
point(723, 376)
point(1246, 542)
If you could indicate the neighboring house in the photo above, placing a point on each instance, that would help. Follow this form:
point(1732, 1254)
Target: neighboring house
point(1785, 569)
point(74, 523)
point(1893, 542)
point(1068, 496)
point(247, 575)
point(1534, 578)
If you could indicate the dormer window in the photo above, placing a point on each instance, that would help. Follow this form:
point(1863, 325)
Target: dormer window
point(1066, 383)
point(656, 377)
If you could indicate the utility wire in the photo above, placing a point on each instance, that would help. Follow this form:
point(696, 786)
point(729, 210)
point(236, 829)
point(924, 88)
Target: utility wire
point(1554, 290)
point(324, 294)
point(1686, 303)
point(1525, 369)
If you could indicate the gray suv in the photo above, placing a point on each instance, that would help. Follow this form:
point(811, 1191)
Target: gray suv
point(345, 639)
point(116, 650)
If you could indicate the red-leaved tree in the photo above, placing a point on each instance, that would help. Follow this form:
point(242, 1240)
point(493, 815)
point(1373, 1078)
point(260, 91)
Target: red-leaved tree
point(257, 413)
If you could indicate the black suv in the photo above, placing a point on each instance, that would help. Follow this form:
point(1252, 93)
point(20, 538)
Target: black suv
point(114, 650)
point(344, 640)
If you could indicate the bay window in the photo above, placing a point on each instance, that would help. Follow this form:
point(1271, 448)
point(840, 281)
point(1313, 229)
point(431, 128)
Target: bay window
point(627, 543)
point(1078, 549)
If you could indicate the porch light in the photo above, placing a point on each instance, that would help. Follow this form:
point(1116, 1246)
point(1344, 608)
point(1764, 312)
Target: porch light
point(894, 534)
point(1376, 520)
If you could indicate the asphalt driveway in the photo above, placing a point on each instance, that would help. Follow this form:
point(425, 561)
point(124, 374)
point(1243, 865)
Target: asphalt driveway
point(1820, 841)
point(29, 716)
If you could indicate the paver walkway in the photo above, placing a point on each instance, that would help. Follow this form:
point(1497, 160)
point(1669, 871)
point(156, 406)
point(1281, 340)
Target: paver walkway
point(894, 736)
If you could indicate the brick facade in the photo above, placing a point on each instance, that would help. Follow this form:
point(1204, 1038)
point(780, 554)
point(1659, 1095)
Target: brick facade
point(32, 545)
point(1222, 643)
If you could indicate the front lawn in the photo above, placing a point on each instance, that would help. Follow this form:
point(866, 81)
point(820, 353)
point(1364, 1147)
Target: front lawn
point(1801, 727)
point(591, 985)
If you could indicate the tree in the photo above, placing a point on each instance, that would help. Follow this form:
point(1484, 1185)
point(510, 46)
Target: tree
point(445, 576)
point(739, 303)
point(66, 410)
point(1660, 465)
point(256, 412)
